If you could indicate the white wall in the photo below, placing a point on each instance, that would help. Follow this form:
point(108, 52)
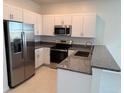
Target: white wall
point(108, 20)
point(27, 4)
point(5, 79)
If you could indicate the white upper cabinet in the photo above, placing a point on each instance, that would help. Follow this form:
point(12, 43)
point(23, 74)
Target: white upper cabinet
point(23, 15)
point(38, 24)
point(67, 20)
point(59, 20)
point(28, 17)
point(83, 25)
point(6, 12)
point(33, 18)
point(12, 13)
point(89, 26)
point(48, 25)
point(63, 20)
point(16, 14)
point(77, 25)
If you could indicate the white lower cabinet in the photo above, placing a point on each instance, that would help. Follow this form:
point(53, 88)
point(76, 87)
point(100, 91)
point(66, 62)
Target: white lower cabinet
point(96, 75)
point(73, 82)
point(42, 56)
point(46, 56)
point(104, 81)
point(38, 57)
point(101, 81)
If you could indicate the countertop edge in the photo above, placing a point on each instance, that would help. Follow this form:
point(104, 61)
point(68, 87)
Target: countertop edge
point(103, 68)
point(75, 71)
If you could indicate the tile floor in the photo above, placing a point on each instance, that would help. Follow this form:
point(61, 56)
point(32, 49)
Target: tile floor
point(44, 81)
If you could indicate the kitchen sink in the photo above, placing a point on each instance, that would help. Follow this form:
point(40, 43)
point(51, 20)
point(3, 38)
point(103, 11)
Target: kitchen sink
point(82, 53)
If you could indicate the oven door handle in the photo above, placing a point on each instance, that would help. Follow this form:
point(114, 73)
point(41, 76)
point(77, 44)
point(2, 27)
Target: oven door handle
point(60, 50)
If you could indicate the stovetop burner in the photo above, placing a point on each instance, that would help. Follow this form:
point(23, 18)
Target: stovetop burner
point(61, 46)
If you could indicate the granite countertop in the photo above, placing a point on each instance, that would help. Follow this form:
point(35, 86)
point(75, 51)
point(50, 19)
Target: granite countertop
point(101, 58)
point(44, 44)
point(76, 64)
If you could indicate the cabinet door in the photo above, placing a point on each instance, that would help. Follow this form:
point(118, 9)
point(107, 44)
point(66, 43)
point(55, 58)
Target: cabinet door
point(38, 57)
point(67, 20)
point(59, 20)
point(72, 82)
point(110, 82)
point(46, 55)
point(16, 14)
point(89, 26)
point(38, 24)
point(28, 17)
point(48, 25)
point(6, 12)
point(63, 20)
point(104, 81)
point(12, 13)
point(96, 78)
point(77, 26)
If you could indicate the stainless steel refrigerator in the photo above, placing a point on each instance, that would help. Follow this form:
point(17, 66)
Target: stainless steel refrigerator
point(19, 43)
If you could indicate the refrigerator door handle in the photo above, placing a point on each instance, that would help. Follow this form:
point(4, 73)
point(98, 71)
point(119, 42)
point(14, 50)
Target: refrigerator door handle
point(23, 43)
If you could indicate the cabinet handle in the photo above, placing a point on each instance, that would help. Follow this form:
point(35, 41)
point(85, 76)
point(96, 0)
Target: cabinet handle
point(37, 32)
point(62, 22)
point(10, 16)
point(37, 56)
point(82, 34)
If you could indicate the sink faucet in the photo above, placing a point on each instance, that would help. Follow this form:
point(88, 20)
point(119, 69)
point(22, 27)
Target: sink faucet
point(88, 43)
point(91, 44)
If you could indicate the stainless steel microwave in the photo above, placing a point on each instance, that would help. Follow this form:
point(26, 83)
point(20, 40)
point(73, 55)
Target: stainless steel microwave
point(64, 30)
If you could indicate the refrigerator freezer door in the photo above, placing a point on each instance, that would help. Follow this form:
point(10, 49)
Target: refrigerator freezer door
point(14, 52)
point(29, 48)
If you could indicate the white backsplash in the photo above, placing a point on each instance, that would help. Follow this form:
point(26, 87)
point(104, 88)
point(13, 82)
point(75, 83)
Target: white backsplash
point(76, 40)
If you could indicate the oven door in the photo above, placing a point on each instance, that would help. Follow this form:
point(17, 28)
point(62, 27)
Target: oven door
point(57, 55)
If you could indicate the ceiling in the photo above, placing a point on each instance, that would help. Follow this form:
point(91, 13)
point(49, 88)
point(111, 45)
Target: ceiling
point(53, 1)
